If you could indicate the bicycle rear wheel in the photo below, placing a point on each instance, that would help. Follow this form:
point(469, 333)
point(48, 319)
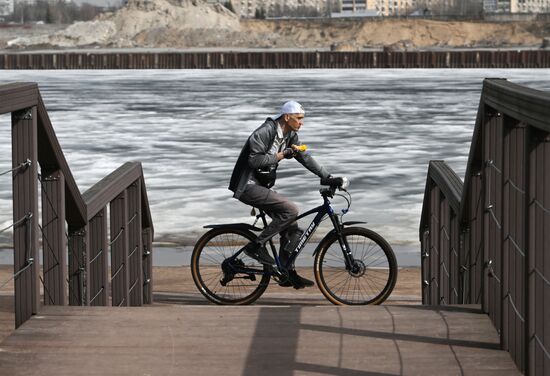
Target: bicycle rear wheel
point(372, 280)
point(217, 285)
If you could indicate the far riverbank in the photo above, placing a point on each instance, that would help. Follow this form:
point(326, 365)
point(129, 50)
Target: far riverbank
point(274, 59)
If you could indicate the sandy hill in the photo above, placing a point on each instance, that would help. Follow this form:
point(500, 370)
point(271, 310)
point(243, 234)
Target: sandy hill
point(187, 23)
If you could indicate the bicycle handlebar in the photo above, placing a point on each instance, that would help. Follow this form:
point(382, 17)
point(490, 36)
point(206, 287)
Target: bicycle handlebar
point(332, 182)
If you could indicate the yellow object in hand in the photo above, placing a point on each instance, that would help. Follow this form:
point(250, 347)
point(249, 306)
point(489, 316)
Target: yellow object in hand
point(301, 148)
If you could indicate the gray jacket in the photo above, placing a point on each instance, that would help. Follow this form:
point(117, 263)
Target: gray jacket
point(255, 155)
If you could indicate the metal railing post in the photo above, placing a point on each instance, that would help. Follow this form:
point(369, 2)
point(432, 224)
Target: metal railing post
point(54, 242)
point(135, 246)
point(25, 204)
point(147, 236)
point(78, 269)
point(99, 253)
point(119, 250)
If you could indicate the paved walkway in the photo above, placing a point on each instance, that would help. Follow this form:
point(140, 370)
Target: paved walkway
point(255, 340)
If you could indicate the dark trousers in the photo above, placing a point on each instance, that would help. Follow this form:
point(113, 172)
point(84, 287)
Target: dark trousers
point(282, 211)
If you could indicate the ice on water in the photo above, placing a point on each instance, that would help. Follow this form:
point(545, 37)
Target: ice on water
point(377, 127)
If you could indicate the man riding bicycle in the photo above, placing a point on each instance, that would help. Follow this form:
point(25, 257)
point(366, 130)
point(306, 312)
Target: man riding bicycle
point(255, 173)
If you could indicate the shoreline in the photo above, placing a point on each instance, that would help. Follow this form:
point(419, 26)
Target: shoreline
point(271, 59)
point(175, 256)
point(205, 49)
point(178, 280)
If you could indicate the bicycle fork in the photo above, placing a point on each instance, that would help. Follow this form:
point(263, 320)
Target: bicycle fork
point(351, 264)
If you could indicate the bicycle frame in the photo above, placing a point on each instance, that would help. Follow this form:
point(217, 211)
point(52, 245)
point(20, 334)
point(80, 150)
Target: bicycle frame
point(322, 210)
point(353, 265)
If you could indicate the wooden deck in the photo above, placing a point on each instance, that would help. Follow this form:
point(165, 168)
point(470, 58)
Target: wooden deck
point(256, 340)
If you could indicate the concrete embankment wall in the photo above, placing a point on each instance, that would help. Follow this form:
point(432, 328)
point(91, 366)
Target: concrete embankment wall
point(277, 59)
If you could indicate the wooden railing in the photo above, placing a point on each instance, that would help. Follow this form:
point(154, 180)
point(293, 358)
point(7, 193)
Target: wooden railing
point(440, 230)
point(72, 223)
point(490, 240)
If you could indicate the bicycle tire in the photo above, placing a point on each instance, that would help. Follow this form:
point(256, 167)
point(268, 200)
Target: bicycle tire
point(206, 267)
point(372, 284)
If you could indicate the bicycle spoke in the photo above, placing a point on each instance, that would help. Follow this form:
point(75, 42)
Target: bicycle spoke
point(336, 279)
point(215, 278)
point(239, 286)
point(210, 257)
point(367, 281)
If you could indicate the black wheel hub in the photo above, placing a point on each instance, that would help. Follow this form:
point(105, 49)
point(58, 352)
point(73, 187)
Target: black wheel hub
point(358, 269)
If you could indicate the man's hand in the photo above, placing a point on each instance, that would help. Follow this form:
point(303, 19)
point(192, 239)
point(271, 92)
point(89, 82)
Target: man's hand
point(288, 153)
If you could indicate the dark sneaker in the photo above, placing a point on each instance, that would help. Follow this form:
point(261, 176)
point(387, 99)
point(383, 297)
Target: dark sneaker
point(294, 280)
point(285, 283)
point(304, 281)
point(258, 253)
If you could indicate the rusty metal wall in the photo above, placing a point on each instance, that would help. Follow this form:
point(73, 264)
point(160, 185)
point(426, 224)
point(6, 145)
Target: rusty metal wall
point(277, 59)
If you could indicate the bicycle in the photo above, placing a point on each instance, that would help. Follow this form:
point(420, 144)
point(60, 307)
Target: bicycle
point(353, 265)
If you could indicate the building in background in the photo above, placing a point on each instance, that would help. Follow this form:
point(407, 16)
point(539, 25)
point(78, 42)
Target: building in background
point(497, 6)
point(357, 8)
point(529, 6)
point(370, 8)
point(489, 6)
point(395, 7)
point(280, 8)
point(28, 2)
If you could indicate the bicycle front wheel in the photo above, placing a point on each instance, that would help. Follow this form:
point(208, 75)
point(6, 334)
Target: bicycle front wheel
point(373, 276)
point(222, 286)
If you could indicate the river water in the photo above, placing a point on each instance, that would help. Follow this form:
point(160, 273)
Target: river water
point(380, 128)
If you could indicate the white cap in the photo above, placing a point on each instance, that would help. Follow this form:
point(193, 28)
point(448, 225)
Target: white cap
point(290, 107)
